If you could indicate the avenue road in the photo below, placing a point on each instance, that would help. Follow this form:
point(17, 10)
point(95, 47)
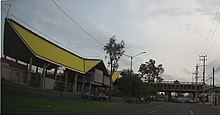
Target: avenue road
point(160, 108)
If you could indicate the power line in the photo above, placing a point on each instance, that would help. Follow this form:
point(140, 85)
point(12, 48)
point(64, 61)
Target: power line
point(203, 48)
point(213, 43)
point(77, 24)
point(217, 69)
point(212, 37)
point(41, 34)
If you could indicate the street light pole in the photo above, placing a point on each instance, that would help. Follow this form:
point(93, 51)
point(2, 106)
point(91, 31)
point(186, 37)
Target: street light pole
point(133, 57)
point(131, 66)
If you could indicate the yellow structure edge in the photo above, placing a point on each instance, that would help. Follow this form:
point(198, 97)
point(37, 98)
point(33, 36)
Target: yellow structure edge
point(115, 75)
point(49, 51)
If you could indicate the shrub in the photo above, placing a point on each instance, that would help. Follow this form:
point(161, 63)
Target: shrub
point(129, 100)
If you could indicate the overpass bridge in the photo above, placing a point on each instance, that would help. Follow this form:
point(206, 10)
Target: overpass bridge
point(175, 86)
point(180, 87)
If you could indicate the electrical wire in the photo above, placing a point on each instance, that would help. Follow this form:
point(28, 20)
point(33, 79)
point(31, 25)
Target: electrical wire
point(210, 45)
point(213, 43)
point(217, 69)
point(36, 31)
point(77, 24)
point(207, 38)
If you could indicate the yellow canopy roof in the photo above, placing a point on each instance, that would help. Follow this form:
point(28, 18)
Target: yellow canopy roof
point(115, 75)
point(48, 51)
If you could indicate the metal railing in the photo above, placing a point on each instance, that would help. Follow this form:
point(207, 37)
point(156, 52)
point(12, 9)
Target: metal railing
point(182, 83)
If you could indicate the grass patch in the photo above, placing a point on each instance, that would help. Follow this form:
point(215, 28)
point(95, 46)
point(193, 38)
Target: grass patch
point(26, 103)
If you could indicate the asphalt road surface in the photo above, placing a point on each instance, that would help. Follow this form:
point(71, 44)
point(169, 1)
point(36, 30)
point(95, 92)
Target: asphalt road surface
point(142, 109)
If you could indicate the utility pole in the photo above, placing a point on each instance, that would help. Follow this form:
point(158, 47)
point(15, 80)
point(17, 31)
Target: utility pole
point(204, 59)
point(213, 85)
point(196, 73)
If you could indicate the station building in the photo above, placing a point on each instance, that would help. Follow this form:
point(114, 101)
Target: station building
point(30, 59)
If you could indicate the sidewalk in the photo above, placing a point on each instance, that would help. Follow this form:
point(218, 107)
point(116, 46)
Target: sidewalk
point(216, 107)
point(211, 105)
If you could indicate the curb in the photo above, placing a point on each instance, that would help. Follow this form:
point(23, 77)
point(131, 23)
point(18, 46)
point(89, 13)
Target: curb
point(215, 107)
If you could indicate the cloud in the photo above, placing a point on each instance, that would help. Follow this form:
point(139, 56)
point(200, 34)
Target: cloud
point(207, 7)
point(168, 77)
point(186, 71)
point(170, 31)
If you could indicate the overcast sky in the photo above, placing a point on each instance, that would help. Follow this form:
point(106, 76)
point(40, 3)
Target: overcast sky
point(172, 32)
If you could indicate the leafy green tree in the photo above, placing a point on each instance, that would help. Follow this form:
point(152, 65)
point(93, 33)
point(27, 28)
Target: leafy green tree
point(115, 51)
point(149, 71)
point(129, 85)
point(134, 86)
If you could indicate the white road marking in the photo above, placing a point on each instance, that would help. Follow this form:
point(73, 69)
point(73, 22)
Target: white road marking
point(153, 111)
point(191, 112)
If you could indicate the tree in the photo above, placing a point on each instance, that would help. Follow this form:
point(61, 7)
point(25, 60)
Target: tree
point(115, 51)
point(129, 85)
point(149, 71)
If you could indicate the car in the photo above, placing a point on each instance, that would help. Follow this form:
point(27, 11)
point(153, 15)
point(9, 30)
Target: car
point(87, 95)
point(181, 100)
point(101, 97)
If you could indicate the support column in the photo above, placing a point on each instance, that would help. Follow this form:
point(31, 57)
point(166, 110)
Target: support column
point(55, 77)
point(90, 84)
point(66, 80)
point(36, 75)
point(45, 74)
point(194, 95)
point(75, 83)
point(43, 77)
point(82, 88)
point(168, 93)
point(29, 72)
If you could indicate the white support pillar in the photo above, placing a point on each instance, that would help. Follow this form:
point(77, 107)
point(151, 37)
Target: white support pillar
point(29, 72)
point(36, 75)
point(66, 81)
point(43, 77)
point(55, 77)
point(45, 74)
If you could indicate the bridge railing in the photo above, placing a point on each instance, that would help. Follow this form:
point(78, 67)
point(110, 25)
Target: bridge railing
point(179, 86)
point(181, 83)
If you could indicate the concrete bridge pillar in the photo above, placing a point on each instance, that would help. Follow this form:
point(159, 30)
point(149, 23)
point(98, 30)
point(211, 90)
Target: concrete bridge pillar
point(168, 94)
point(194, 95)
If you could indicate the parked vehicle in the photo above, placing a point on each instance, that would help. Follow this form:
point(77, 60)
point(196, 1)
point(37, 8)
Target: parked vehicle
point(101, 97)
point(87, 95)
point(181, 100)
